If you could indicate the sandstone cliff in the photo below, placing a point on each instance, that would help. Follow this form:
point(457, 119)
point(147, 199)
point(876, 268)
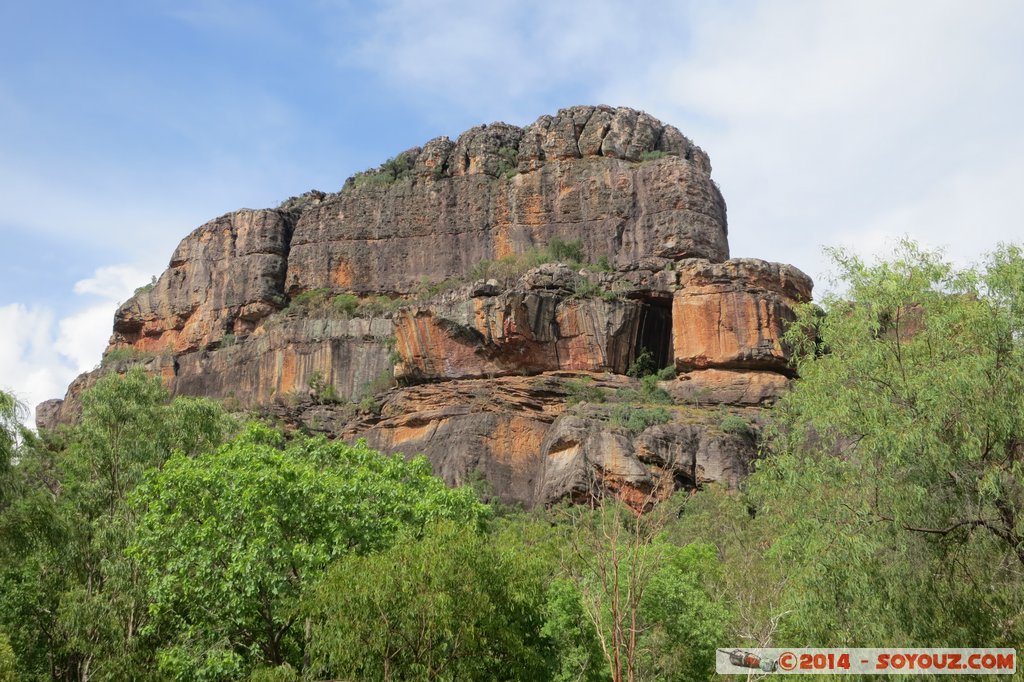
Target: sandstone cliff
point(416, 308)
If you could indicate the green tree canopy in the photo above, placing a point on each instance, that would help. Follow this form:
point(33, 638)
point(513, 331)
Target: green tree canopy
point(9, 432)
point(231, 540)
point(70, 601)
point(896, 481)
point(452, 605)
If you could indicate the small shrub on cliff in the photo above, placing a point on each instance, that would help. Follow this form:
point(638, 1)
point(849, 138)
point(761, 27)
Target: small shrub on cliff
point(513, 266)
point(584, 288)
point(346, 304)
point(394, 356)
point(508, 164)
point(307, 301)
point(378, 305)
point(125, 355)
point(299, 203)
point(735, 424)
point(570, 252)
point(146, 287)
point(381, 383)
point(643, 364)
point(388, 173)
point(652, 156)
point(370, 404)
point(427, 289)
point(321, 390)
point(582, 390)
point(650, 390)
point(649, 393)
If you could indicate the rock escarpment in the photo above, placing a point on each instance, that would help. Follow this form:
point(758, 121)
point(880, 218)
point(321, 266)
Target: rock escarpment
point(481, 301)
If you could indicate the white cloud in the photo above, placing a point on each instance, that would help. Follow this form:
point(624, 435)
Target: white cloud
point(112, 282)
point(30, 368)
point(40, 354)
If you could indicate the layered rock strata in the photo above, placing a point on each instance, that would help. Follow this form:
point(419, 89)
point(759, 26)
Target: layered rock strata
point(409, 292)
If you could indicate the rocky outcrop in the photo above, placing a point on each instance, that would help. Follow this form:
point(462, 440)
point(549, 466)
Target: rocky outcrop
point(734, 314)
point(541, 324)
point(391, 236)
point(222, 279)
point(519, 434)
point(418, 308)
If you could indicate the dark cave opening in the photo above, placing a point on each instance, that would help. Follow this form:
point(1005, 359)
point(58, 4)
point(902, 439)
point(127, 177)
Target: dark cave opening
point(655, 331)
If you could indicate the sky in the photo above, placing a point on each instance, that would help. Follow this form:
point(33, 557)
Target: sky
point(125, 125)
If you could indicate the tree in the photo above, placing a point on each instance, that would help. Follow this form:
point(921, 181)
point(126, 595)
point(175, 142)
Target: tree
point(8, 670)
point(686, 623)
point(897, 473)
point(70, 600)
point(452, 605)
point(648, 601)
point(10, 429)
point(748, 582)
point(231, 541)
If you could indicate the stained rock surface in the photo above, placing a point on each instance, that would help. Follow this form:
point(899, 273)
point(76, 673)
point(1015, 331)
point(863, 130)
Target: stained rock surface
point(418, 308)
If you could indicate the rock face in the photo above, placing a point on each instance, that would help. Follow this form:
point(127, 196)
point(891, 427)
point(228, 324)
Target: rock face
point(425, 307)
point(520, 435)
point(733, 314)
point(463, 202)
point(222, 279)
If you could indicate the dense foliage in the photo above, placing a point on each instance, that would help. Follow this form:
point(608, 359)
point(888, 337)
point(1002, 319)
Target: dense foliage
point(230, 541)
point(158, 539)
point(897, 481)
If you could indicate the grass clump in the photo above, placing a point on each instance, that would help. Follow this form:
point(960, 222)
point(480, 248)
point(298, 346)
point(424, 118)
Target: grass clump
point(735, 424)
point(652, 155)
point(125, 355)
point(638, 419)
point(582, 390)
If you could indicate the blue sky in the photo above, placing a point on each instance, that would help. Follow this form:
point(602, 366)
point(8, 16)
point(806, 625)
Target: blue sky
point(127, 124)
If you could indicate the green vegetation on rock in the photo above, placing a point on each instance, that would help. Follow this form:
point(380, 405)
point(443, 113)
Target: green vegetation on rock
point(389, 172)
